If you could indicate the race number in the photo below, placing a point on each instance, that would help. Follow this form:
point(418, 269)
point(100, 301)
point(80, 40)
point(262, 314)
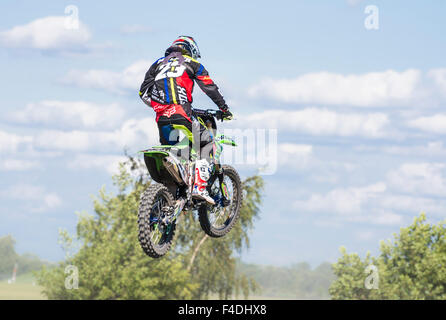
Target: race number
point(172, 69)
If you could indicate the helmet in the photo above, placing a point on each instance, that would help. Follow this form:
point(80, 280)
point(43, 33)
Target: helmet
point(188, 44)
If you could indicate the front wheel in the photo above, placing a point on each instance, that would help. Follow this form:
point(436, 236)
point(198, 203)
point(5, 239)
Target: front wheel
point(155, 236)
point(217, 220)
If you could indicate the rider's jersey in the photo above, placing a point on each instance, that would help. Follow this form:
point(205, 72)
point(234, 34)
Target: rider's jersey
point(169, 83)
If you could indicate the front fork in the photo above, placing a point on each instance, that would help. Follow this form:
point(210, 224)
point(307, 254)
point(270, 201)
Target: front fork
point(219, 174)
point(179, 206)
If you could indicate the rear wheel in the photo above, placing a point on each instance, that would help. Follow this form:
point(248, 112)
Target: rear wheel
point(217, 220)
point(155, 236)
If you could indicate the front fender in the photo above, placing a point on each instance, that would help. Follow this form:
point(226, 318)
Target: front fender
point(222, 139)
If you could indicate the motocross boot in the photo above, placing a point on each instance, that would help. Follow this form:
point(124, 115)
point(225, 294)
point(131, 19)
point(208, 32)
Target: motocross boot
point(202, 175)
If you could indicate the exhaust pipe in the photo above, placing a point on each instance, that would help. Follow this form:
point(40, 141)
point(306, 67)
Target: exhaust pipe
point(172, 168)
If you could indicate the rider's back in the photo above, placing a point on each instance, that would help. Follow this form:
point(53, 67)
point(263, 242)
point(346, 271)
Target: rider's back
point(169, 84)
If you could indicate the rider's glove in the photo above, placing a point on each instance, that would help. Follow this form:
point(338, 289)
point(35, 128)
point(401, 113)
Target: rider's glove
point(227, 115)
point(224, 108)
point(224, 115)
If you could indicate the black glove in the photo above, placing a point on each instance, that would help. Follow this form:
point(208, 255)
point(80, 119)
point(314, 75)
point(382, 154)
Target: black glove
point(224, 108)
point(227, 115)
point(223, 115)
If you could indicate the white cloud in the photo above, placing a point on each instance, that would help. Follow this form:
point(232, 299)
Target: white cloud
point(74, 114)
point(296, 149)
point(419, 178)
point(439, 78)
point(365, 90)
point(134, 133)
point(374, 89)
point(354, 204)
point(433, 124)
point(10, 142)
point(17, 165)
point(431, 149)
point(316, 121)
point(343, 201)
point(24, 191)
point(52, 200)
point(128, 80)
point(410, 189)
point(64, 140)
point(386, 218)
point(36, 198)
point(49, 33)
point(109, 163)
point(293, 155)
point(413, 204)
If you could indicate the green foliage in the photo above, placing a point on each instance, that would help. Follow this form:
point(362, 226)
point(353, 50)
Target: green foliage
point(8, 258)
point(112, 265)
point(413, 266)
point(214, 265)
point(297, 281)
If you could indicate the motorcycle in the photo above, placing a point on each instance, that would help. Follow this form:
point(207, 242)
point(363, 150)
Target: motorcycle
point(172, 167)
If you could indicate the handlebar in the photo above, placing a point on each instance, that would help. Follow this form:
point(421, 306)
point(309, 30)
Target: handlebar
point(209, 112)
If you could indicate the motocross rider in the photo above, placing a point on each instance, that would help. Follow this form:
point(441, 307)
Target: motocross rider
point(167, 88)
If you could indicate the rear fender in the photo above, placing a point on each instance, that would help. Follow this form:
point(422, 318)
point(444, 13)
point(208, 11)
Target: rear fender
point(153, 159)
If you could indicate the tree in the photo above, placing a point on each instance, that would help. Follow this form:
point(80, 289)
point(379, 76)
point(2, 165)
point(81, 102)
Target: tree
point(111, 264)
point(214, 266)
point(297, 281)
point(8, 256)
point(413, 266)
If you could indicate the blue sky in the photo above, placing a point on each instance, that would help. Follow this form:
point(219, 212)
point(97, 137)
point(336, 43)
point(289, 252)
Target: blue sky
point(359, 112)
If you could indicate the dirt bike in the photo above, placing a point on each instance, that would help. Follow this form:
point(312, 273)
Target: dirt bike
point(173, 168)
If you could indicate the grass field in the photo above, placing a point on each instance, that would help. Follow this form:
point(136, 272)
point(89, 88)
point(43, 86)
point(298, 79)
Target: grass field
point(23, 289)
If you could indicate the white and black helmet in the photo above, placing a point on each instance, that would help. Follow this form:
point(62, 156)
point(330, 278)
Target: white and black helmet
point(189, 44)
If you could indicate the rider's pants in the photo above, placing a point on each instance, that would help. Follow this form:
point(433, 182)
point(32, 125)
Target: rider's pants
point(170, 136)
